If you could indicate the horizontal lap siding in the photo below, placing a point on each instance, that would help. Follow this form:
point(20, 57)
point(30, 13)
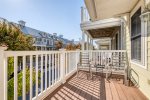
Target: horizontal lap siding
point(143, 74)
point(148, 46)
point(144, 79)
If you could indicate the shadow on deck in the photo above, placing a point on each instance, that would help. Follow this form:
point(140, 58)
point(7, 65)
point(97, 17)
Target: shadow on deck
point(98, 88)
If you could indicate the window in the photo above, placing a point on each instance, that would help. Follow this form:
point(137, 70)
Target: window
point(47, 42)
point(136, 36)
point(44, 40)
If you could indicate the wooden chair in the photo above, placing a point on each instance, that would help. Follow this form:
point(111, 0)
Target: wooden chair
point(84, 63)
point(117, 65)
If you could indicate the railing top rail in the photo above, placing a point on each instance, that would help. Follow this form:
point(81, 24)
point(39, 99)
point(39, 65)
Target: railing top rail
point(103, 51)
point(26, 53)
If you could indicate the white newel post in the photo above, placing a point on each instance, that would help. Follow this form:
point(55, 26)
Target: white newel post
point(77, 57)
point(87, 45)
point(62, 65)
point(83, 41)
point(3, 75)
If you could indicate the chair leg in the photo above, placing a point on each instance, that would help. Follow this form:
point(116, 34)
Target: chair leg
point(125, 79)
point(77, 73)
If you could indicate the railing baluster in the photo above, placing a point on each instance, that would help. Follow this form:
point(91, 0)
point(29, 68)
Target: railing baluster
point(58, 66)
point(24, 78)
point(41, 73)
point(65, 63)
point(31, 64)
point(45, 71)
point(69, 62)
point(36, 75)
point(5, 78)
point(55, 68)
point(52, 69)
point(49, 70)
point(15, 78)
point(99, 57)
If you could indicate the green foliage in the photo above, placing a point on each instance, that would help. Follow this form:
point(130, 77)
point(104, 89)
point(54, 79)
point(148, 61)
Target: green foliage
point(58, 44)
point(78, 46)
point(12, 36)
point(10, 66)
point(70, 46)
point(14, 39)
point(11, 83)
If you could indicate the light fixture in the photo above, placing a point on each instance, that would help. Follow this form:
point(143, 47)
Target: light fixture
point(145, 16)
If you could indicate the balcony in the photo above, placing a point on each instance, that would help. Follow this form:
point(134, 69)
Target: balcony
point(39, 43)
point(55, 76)
point(96, 89)
point(84, 15)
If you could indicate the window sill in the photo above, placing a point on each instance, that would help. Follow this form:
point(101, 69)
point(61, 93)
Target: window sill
point(138, 63)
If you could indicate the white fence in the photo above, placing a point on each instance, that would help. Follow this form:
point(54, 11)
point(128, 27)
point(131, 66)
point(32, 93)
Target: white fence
point(43, 71)
point(49, 67)
point(84, 15)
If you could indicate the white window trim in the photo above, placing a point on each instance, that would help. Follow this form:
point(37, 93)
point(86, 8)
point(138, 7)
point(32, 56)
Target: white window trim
point(143, 62)
point(137, 63)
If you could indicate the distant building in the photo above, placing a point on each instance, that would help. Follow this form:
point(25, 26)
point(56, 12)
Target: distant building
point(64, 41)
point(42, 40)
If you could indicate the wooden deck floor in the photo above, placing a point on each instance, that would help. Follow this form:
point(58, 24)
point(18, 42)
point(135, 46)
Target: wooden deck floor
point(97, 89)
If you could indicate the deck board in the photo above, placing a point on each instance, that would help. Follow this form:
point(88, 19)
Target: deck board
point(98, 88)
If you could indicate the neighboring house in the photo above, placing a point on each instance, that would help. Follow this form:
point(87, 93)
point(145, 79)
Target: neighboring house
point(65, 41)
point(42, 40)
point(126, 25)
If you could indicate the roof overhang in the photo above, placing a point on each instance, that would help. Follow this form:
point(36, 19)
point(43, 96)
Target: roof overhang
point(103, 41)
point(106, 23)
point(103, 9)
point(103, 32)
point(102, 28)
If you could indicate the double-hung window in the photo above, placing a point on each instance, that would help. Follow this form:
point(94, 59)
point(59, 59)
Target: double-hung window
point(136, 36)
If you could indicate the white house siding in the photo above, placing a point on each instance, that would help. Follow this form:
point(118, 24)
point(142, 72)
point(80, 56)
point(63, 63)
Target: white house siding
point(148, 46)
point(143, 74)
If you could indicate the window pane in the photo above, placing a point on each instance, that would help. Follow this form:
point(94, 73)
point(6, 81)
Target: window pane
point(136, 36)
point(136, 48)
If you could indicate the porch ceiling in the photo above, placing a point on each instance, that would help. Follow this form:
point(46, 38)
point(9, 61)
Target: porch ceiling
point(103, 9)
point(103, 32)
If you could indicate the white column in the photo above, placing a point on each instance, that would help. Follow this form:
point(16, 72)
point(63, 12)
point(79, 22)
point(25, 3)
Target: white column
point(110, 44)
point(83, 40)
point(3, 76)
point(144, 29)
point(87, 45)
point(62, 72)
point(82, 12)
point(92, 43)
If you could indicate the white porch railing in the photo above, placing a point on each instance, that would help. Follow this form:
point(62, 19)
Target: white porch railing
point(54, 68)
point(84, 15)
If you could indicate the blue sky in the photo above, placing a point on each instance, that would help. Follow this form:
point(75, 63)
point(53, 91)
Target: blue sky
point(52, 16)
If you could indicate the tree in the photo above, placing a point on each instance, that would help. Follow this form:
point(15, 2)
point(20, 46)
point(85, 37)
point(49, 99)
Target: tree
point(70, 46)
point(58, 44)
point(78, 46)
point(14, 39)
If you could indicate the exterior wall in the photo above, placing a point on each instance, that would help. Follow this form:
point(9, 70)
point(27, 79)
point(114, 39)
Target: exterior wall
point(142, 74)
point(148, 46)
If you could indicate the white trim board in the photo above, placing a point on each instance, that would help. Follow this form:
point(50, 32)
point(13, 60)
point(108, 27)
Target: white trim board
point(101, 24)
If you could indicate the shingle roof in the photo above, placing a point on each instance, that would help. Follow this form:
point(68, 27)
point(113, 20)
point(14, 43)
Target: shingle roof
point(37, 33)
point(31, 31)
